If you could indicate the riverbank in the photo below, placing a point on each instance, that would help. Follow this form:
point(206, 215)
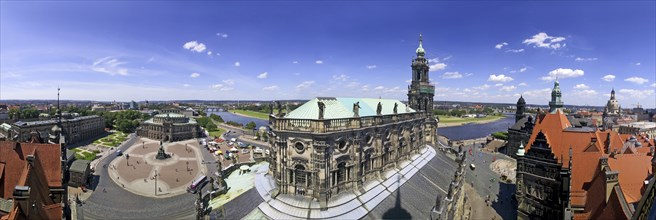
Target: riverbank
point(250, 114)
point(446, 122)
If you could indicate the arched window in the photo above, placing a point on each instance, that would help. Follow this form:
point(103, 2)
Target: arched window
point(301, 177)
point(341, 172)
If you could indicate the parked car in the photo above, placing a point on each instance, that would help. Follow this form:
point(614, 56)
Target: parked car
point(119, 153)
point(258, 150)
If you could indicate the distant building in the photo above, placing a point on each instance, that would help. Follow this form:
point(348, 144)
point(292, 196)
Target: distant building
point(613, 105)
point(30, 181)
point(75, 129)
point(99, 108)
point(169, 127)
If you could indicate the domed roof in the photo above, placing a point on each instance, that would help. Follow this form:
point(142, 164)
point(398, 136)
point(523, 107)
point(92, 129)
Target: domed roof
point(521, 100)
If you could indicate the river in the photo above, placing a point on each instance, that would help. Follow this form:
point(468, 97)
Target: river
point(469, 131)
point(472, 131)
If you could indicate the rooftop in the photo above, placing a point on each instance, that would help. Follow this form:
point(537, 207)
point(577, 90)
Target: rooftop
point(343, 108)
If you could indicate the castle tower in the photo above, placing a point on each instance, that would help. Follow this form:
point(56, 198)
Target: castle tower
point(556, 103)
point(521, 108)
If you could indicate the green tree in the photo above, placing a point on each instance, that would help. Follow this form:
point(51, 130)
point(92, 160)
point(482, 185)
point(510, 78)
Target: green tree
point(257, 136)
point(210, 126)
point(251, 125)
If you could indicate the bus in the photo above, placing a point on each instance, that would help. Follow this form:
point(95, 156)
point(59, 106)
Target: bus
point(197, 184)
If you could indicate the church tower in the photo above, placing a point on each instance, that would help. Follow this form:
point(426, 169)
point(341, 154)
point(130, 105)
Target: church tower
point(521, 108)
point(556, 103)
point(420, 91)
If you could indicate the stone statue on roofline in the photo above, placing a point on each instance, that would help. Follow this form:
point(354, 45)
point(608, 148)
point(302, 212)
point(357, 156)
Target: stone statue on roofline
point(356, 109)
point(396, 105)
point(286, 108)
point(322, 106)
point(379, 109)
point(271, 108)
point(279, 106)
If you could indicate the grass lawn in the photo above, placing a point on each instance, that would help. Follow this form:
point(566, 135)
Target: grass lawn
point(450, 119)
point(252, 114)
point(113, 140)
point(217, 133)
point(81, 154)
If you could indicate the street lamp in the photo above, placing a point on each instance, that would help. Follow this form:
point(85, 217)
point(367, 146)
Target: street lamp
point(156, 182)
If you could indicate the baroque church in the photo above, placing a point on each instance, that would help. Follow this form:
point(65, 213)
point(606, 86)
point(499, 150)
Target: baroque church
point(331, 145)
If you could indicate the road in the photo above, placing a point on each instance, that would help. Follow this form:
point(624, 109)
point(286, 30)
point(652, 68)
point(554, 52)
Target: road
point(117, 203)
point(487, 182)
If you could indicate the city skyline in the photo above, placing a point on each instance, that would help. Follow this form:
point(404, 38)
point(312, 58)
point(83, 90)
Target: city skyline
point(478, 51)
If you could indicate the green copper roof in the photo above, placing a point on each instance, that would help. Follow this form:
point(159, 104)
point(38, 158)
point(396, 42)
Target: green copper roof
point(420, 49)
point(343, 108)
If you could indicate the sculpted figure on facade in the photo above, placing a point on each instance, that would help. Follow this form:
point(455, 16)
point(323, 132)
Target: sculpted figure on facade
point(356, 109)
point(321, 109)
point(379, 109)
point(396, 105)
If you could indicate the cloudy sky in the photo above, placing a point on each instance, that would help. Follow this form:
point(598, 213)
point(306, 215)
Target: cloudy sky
point(478, 51)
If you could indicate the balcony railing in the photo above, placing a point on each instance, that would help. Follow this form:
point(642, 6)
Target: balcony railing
point(339, 124)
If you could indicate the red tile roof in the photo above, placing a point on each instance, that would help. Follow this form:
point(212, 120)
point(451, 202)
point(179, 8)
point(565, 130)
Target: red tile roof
point(588, 180)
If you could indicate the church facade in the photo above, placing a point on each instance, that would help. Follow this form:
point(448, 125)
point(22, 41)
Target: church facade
point(331, 145)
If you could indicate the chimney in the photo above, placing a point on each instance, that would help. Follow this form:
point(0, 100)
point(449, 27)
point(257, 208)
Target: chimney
point(611, 181)
point(603, 163)
point(21, 197)
point(30, 160)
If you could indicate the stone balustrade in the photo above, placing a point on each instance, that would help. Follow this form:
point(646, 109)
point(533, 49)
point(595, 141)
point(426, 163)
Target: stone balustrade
point(339, 124)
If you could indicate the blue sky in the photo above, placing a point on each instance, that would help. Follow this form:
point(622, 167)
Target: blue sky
point(478, 51)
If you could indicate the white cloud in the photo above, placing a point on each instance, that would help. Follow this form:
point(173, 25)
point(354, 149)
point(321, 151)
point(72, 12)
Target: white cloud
point(150, 60)
point(637, 80)
point(515, 50)
point(585, 59)
point(653, 85)
point(635, 93)
point(437, 66)
point(500, 45)
point(222, 35)
point(499, 78)
point(352, 84)
point(263, 75)
point(562, 73)
point(545, 41)
point(109, 65)
point(523, 69)
point(451, 75)
point(295, 62)
point(396, 89)
point(319, 62)
point(379, 88)
point(637, 64)
point(586, 93)
point(522, 84)
point(371, 67)
point(581, 86)
point(304, 85)
point(194, 46)
point(194, 75)
point(434, 60)
point(482, 87)
point(221, 87)
point(498, 84)
point(209, 53)
point(7, 75)
point(186, 85)
point(365, 88)
point(228, 82)
point(340, 77)
point(237, 64)
point(297, 74)
point(538, 93)
point(408, 81)
point(608, 78)
point(507, 88)
point(270, 88)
